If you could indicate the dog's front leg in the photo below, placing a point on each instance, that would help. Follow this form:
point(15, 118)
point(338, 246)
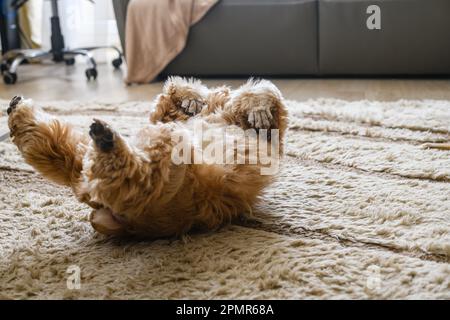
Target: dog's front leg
point(180, 100)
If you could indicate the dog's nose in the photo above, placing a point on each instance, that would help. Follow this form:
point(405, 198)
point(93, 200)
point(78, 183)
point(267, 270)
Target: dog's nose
point(14, 102)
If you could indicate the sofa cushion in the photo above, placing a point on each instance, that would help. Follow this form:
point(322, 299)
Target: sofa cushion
point(414, 37)
point(256, 37)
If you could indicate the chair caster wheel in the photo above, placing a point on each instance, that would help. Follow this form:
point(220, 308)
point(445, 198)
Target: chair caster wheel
point(70, 61)
point(91, 73)
point(117, 63)
point(3, 67)
point(9, 77)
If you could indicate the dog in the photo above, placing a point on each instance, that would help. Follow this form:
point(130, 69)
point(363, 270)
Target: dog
point(133, 185)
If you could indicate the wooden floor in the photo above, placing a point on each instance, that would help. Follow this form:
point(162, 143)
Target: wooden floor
point(58, 82)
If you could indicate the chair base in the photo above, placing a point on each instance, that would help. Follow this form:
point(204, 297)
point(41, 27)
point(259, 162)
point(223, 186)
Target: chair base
point(11, 60)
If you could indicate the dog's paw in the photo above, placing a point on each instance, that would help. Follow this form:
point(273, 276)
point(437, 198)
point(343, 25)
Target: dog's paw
point(192, 106)
point(102, 135)
point(260, 117)
point(13, 104)
point(21, 116)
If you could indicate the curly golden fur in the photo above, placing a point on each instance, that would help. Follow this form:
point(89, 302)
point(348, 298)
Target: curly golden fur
point(134, 186)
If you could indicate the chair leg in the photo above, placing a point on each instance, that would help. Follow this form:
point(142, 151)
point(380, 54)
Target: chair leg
point(91, 71)
point(11, 60)
point(82, 52)
point(7, 60)
point(103, 47)
point(116, 62)
point(28, 55)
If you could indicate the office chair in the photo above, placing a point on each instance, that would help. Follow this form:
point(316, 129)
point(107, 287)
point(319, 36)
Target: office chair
point(58, 52)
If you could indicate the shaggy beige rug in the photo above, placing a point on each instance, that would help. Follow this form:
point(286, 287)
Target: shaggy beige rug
point(361, 210)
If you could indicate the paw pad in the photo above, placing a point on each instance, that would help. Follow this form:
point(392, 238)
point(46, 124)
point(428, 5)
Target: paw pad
point(102, 135)
point(13, 104)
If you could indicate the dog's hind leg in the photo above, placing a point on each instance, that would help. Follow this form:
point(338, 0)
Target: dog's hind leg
point(108, 178)
point(129, 180)
point(126, 172)
point(52, 147)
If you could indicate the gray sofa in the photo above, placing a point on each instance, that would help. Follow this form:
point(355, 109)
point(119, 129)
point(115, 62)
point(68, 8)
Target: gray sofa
point(316, 37)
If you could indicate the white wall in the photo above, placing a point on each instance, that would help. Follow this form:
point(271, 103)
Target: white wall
point(84, 24)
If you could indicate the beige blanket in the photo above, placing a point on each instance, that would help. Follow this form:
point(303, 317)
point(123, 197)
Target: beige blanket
point(156, 32)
